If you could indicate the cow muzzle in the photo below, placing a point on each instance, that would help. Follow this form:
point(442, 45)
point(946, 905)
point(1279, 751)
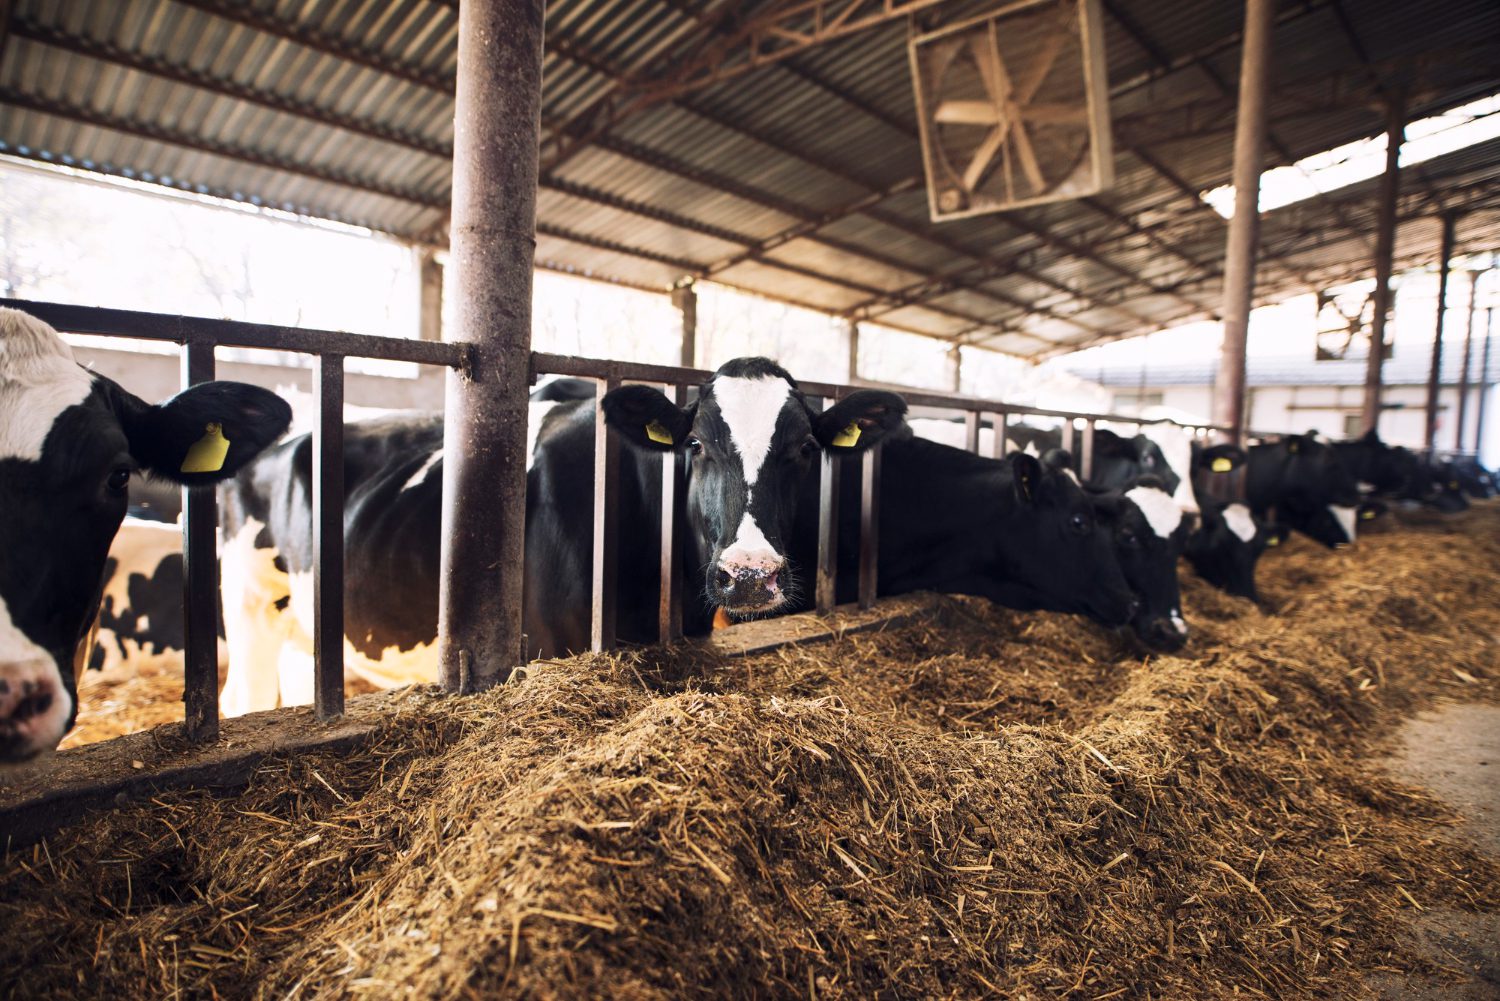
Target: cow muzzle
point(1166, 634)
point(749, 583)
point(35, 708)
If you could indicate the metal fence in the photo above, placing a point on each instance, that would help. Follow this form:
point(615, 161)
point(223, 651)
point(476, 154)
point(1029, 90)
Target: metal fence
point(200, 337)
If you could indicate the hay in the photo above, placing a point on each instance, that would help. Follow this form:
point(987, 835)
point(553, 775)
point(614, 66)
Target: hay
point(989, 804)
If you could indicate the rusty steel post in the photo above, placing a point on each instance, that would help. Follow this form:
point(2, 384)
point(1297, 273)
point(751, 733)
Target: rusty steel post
point(1385, 245)
point(1463, 372)
point(606, 549)
point(1000, 446)
point(1435, 373)
point(328, 536)
point(200, 580)
point(1244, 227)
point(430, 296)
point(685, 298)
point(673, 511)
point(1086, 451)
point(971, 431)
point(853, 351)
point(1484, 379)
point(869, 528)
point(496, 122)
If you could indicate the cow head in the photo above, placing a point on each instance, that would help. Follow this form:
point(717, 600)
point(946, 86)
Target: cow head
point(751, 439)
point(1148, 533)
point(69, 441)
point(1227, 543)
point(1050, 553)
point(1318, 497)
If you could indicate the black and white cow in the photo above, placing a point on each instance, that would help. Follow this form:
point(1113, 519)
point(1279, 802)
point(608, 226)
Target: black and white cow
point(1016, 531)
point(1302, 480)
point(1148, 533)
point(751, 438)
point(1229, 539)
point(69, 441)
point(1399, 474)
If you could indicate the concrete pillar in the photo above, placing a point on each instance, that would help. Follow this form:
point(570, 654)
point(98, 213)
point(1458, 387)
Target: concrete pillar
point(1239, 262)
point(685, 298)
point(430, 302)
point(1385, 245)
point(1463, 374)
point(496, 122)
point(1484, 379)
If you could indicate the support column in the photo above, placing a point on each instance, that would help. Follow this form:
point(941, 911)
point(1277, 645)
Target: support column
point(853, 327)
point(1463, 372)
point(430, 302)
point(1484, 380)
point(956, 362)
point(496, 121)
point(1385, 244)
point(685, 298)
point(1435, 373)
point(1244, 228)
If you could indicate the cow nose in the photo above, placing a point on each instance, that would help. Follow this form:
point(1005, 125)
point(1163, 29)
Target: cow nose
point(1166, 634)
point(749, 582)
point(32, 709)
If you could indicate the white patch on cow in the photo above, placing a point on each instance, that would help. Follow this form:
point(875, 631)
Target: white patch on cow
point(1177, 448)
point(254, 628)
point(420, 475)
point(24, 665)
point(1240, 521)
point(38, 380)
point(751, 551)
point(1162, 513)
point(138, 548)
point(1346, 517)
point(1365, 488)
point(1031, 450)
point(393, 668)
point(750, 408)
point(1177, 623)
point(536, 413)
point(1068, 472)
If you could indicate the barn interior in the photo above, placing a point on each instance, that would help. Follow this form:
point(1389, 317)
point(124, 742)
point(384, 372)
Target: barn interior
point(777, 148)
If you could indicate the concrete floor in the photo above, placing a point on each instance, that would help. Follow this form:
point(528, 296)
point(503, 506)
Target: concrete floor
point(1454, 752)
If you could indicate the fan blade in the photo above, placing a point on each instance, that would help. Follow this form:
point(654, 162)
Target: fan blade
point(1054, 114)
point(1043, 64)
point(984, 156)
point(991, 68)
point(1027, 154)
point(967, 113)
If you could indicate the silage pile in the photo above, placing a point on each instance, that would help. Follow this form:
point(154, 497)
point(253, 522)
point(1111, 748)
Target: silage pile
point(984, 804)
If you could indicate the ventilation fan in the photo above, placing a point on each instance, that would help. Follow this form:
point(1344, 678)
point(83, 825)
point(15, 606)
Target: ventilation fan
point(1014, 108)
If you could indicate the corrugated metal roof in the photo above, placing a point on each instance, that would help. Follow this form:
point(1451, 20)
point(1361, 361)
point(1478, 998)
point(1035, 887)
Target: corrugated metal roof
point(799, 179)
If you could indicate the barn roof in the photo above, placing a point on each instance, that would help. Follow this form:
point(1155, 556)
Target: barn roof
point(770, 145)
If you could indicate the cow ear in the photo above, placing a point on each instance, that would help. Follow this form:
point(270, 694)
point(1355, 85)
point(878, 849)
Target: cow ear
point(859, 420)
point(1222, 459)
point(647, 419)
point(1057, 459)
point(1026, 471)
point(203, 434)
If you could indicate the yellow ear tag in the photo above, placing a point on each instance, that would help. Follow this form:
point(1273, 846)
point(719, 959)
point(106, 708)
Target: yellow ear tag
point(658, 434)
point(207, 454)
point(1274, 540)
point(848, 437)
point(1367, 515)
point(1222, 465)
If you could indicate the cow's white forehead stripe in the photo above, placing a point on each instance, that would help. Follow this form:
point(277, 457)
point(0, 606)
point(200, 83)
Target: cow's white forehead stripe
point(1161, 511)
point(536, 413)
point(420, 475)
point(1239, 521)
point(750, 550)
point(750, 408)
point(1346, 517)
point(38, 381)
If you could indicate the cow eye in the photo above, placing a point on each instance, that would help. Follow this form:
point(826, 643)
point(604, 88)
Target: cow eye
point(1079, 524)
point(119, 480)
point(695, 446)
point(1128, 537)
point(809, 446)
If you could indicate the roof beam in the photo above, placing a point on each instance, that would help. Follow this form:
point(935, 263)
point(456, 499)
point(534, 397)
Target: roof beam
point(323, 42)
point(156, 66)
point(158, 133)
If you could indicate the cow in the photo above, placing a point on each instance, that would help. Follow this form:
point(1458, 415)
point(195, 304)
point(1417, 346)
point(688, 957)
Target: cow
point(1015, 530)
point(1148, 532)
point(69, 441)
point(1302, 479)
point(1399, 474)
point(750, 438)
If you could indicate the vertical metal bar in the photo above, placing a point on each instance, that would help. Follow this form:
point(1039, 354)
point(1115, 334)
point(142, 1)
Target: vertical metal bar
point(496, 122)
point(328, 536)
point(673, 469)
point(853, 351)
point(971, 431)
point(1463, 372)
point(1244, 225)
point(869, 527)
point(1435, 373)
point(430, 296)
point(1068, 436)
point(200, 581)
point(1086, 452)
point(1001, 446)
point(685, 298)
point(1385, 244)
point(1484, 380)
point(826, 592)
point(606, 526)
